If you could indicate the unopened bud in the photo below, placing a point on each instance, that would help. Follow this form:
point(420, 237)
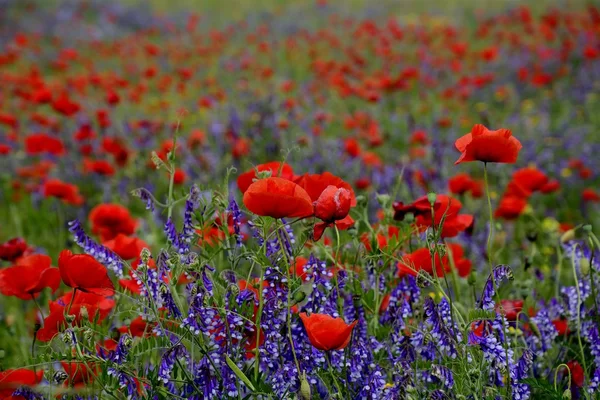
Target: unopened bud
point(304, 388)
point(299, 296)
point(432, 198)
point(472, 280)
point(568, 236)
point(567, 394)
point(145, 255)
point(83, 312)
point(587, 228)
point(584, 264)
point(69, 318)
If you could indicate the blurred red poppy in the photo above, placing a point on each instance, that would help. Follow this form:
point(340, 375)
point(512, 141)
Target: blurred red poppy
point(66, 192)
point(138, 328)
point(84, 273)
point(327, 333)
point(108, 220)
point(590, 195)
point(41, 143)
point(13, 249)
point(463, 183)
point(577, 373)
point(332, 206)
point(482, 144)
point(510, 207)
point(29, 277)
point(278, 198)
point(126, 247)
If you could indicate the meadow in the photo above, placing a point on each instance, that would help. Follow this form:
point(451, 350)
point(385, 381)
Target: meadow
point(299, 200)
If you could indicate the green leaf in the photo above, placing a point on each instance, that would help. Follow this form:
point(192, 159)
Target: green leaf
point(239, 373)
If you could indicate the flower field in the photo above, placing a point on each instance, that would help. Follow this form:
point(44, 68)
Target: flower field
point(303, 200)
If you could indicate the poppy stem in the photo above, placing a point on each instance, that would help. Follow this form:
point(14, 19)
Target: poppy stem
point(72, 299)
point(170, 202)
point(335, 380)
point(578, 309)
point(38, 306)
point(491, 228)
point(556, 375)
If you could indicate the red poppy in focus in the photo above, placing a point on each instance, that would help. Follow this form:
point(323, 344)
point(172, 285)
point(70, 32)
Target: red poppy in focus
point(13, 249)
point(245, 180)
point(12, 379)
point(421, 260)
point(126, 247)
point(41, 143)
point(332, 206)
point(278, 198)
point(510, 207)
point(84, 273)
point(108, 220)
point(327, 333)
point(87, 306)
point(66, 192)
point(482, 144)
point(315, 184)
point(29, 277)
point(577, 373)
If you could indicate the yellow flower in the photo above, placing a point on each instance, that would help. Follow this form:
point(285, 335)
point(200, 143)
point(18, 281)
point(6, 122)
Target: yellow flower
point(565, 172)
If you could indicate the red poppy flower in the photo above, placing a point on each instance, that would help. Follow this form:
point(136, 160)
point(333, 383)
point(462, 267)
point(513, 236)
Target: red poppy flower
point(126, 247)
point(84, 273)
point(245, 180)
point(65, 106)
point(481, 144)
point(315, 184)
point(510, 207)
point(100, 167)
point(13, 249)
point(108, 220)
point(352, 147)
point(590, 195)
point(511, 308)
point(66, 192)
point(332, 206)
point(79, 374)
point(562, 326)
point(577, 373)
point(12, 379)
point(138, 328)
point(421, 260)
point(463, 183)
point(96, 307)
point(327, 333)
point(550, 187)
point(29, 277)
point(278, 198)
point(531, 178)
point(41, 143)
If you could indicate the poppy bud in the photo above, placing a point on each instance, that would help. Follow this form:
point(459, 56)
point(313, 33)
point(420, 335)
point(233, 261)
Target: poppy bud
point(567, 394)
point(431, 198)
point(69, 318)
point(568, 236)
point(333, 204)
point(587, 228)
point(84, 313)
point(299, 296)
point(584, 264)
point(472, 280)
point(304, 388)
